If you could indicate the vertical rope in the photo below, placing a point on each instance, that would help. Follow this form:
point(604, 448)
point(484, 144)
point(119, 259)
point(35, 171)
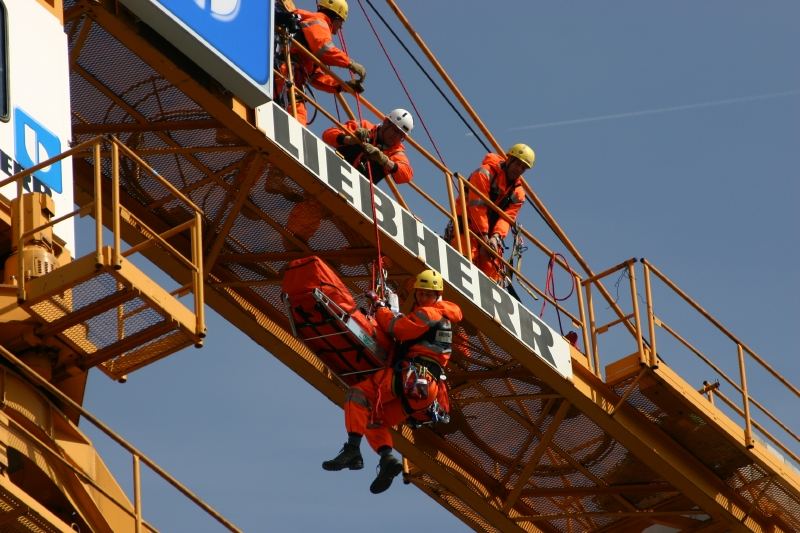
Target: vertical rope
point(550, 287)
point(378, 281)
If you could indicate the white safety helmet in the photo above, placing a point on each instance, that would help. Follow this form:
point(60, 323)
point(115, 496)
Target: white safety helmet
point(402, 119)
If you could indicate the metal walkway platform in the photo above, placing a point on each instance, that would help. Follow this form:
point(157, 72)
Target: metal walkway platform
point(112, 316)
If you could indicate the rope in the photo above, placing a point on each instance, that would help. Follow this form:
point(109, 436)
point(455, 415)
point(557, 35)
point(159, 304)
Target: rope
point(550, 287)
point(430, 79)
point(378, 286)
point(402, 83)
point(436, 86)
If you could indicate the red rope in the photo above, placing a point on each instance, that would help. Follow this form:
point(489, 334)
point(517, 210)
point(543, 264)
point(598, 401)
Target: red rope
point(379, 288)
point(550, 286)
point(402, 84)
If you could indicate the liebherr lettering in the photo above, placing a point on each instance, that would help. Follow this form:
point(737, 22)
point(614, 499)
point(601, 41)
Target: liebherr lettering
point(418, 239)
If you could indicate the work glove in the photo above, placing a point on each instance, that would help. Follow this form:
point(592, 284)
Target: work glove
point(362, 134)
point(492, 242)
point(376, 300)
point(356, 85)
point(370, 150)
point(357, 69)
point(379, 157)
point(496, 242)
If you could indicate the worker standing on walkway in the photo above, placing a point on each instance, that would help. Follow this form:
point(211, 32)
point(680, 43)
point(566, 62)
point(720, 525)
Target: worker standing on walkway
point(369, 148)
point(414, 387)
point(379, 147)
point(316, 34)
point(500, 179)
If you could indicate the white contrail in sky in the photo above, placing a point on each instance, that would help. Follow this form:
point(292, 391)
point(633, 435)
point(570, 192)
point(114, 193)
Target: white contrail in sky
point(657, 111)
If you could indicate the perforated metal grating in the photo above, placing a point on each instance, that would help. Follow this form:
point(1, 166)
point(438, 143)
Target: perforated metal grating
point(108, 322)
point(770, 497)
point(17, 517)
point(128, 316)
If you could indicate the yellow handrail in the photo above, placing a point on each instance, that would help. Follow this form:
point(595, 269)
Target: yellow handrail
point(740, 383)
point(93, 148)
point(39, 381)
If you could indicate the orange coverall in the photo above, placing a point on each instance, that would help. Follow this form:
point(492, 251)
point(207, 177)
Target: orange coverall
point(490, 179)
point(305, 217)
point(373, 405)
point(356, 157)
point(316, 28)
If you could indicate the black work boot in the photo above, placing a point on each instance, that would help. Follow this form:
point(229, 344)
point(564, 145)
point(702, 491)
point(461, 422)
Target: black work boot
point(389, 468)
point(349, 457)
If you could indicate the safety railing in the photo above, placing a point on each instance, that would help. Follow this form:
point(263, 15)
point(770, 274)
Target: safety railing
point(456, 214)
point(137, 457)
point(97, 149)
point(643, 326)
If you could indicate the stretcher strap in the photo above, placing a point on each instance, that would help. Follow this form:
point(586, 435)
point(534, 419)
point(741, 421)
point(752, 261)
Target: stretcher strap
point(324, 337)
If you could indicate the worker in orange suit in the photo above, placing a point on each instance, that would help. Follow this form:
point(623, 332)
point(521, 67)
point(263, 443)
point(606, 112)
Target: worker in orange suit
point(369, 148)
point(316, 34)
point(375, 149)
point(500, 179)
point(413, 387)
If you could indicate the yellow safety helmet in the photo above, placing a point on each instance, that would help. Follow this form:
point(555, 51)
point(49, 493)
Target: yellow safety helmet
point(337, 6)
point(524, 153)
point(430, 280)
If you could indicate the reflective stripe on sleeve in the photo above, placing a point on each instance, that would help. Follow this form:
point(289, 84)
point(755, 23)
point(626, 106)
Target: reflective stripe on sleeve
point(312, 22)
point(422, 316)
point(324, 48)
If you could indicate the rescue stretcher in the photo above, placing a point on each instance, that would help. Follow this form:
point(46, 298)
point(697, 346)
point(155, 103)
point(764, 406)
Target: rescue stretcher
point(324, 315)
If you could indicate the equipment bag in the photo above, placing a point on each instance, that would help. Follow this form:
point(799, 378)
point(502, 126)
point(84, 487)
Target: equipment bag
point(325, 316)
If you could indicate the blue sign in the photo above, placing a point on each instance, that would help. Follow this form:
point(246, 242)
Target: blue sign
point(33, 144)
point(238, 29)
point(229, 39)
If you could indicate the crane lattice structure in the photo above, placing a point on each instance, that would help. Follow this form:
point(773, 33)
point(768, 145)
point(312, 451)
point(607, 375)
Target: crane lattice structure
point(531, 447)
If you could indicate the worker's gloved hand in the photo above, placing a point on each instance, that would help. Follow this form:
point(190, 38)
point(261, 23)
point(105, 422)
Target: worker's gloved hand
point(362, 134)
point(483, 249)
point(356, 85)
point(349, 140)
point(496, 242)
point(370, 149)
point(376, 300)
point(380, 158)
point(357, 69)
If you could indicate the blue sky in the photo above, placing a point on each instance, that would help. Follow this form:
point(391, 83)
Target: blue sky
point(666, 130)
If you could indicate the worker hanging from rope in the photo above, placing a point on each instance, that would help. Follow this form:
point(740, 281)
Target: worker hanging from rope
point(500, 179)
point(414, 388)
point(316, 34)
point(369, 148)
